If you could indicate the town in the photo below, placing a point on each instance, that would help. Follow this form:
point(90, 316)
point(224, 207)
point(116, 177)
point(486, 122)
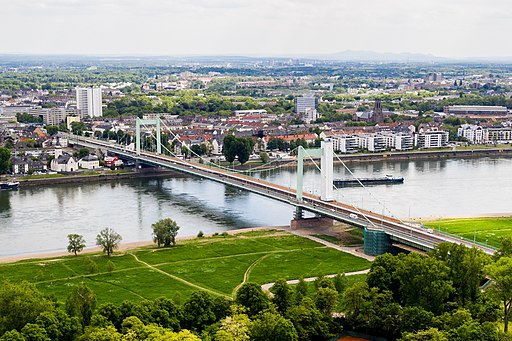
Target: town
point(277, 104)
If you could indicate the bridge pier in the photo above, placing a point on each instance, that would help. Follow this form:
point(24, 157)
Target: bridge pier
point(311, 222)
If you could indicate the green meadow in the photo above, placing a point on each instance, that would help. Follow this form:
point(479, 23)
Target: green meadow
point(217, 264)
point(486, 230)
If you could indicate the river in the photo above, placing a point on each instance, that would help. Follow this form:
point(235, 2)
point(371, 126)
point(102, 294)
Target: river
point(34, 220)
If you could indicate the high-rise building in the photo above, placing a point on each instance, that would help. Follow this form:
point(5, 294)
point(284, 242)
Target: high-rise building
point(303, 103)
point(88, 102)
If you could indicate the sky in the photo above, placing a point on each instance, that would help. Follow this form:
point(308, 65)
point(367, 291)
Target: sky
point(445, 28)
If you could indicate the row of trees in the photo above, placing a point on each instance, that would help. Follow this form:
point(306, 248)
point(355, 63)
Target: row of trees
point(164, 234)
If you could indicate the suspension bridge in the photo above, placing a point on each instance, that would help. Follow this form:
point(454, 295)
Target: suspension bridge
point(382, 232)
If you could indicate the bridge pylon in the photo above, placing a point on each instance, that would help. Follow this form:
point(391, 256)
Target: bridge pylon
point(326, 153)
point(156, 123)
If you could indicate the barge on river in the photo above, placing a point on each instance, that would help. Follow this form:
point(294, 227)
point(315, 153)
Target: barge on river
point(388, 179)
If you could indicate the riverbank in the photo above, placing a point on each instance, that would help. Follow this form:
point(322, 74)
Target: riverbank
point(123, 247)
point(104, 176)
point(467, 152)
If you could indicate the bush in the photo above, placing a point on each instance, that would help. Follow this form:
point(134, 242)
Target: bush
point(200, 234)
point(91, 265)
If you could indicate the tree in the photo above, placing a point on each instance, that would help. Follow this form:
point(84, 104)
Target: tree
point(52, 130)
point(272, 326)
point(83, 152)
point(78, 128)
point(165, 232)
point(59, 326)
point(505, 249)
point(424, 281)
point(466, 268)
point(234, 327)
point(108, 240)
point(501, 274)
point(326, 299)
point(227, 148)
point(264, 157)
point(252, 297)
point(309, 322)
point(431, 334)
point(20, 304)
point(76, 243)
point(198, 311)
point(301, 290)
point(237, 147)
point(5, 160)
point(81, 303)
point(283, 295)
point(34, 332)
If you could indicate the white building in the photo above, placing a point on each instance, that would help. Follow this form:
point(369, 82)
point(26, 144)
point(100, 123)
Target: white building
point(88, 102)
point(431, 139)
point(90, 161)
point(399, 141)
point(345, 143)
point(63, 162)
point(310, 115)
point(376, 143)
point(473, 133)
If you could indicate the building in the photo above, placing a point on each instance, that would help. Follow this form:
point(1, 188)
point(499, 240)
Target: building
point(498, 135)
point(473, 133)
point(113, 161)
point(375, 143)
point(88, 102)
point(345, 143)
point(51, 116)
point(70, 120)
point(63, 162)
point(403, 142)
point(250, 112)
point(310, 115)
point(90, 161)
point(475, 110)
point(378, 115)
point(303, 103)
point(431, 139)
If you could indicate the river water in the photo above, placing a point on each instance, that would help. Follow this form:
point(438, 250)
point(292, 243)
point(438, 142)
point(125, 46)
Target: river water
point(34, 220)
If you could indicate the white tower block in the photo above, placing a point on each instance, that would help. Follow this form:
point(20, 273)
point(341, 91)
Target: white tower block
point(326, 189)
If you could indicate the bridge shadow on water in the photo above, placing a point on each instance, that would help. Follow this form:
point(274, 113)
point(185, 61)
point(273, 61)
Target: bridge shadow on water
point(213, 201)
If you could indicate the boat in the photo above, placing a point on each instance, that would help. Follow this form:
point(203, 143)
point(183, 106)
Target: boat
point(11, 185)
point(388, 179)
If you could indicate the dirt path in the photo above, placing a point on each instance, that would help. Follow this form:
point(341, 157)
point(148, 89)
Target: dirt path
point(247, 273)
point(266, 287)
point(351, 250)
point(178, 278)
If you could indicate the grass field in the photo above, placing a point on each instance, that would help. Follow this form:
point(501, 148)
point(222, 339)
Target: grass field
point(218, 265)
point(488, 230)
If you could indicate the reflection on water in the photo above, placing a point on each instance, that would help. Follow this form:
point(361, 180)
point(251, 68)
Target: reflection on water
point(39, 219)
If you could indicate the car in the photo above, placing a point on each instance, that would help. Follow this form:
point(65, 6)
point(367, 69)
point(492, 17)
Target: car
point(353, 216)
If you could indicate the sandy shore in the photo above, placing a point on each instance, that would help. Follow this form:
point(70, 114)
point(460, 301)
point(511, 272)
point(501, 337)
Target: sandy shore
point(124, 246)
